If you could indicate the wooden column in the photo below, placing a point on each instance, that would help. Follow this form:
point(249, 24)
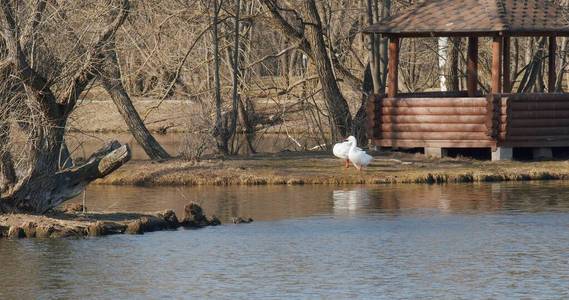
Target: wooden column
point(552, 67)
point(472, 66)
point(506, 65)
point(393, 76)
point(497, 65)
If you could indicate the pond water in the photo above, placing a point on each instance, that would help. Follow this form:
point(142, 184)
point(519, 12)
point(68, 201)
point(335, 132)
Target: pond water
point(83, 145)
point(497, 241)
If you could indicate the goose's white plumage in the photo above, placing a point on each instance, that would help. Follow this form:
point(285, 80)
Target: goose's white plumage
point(341, 150)
point(357, 156)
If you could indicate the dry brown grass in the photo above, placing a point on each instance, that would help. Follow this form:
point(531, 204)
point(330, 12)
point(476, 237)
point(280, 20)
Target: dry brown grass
point(322, 168)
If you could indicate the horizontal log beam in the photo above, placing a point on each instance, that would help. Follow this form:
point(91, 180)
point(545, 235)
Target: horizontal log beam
point(434, 102)
point(534, 144)
point(537, 131)
point(435, 135)
point(532, 123)
point(434, 143)
point(539, 97)
point(539, 106)
point(437, 111)
point(542, 114)
point(441, 127)
point(548, 138)
point(406, 119)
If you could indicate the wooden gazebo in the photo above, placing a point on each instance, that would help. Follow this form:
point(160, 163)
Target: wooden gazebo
point(498, 120)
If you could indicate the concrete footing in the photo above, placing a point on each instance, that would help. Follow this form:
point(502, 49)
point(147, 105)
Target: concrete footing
point(542, 153)
point(435, 152)
point(502, 153)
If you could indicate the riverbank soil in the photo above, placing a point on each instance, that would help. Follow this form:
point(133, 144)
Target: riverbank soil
point(322, 168)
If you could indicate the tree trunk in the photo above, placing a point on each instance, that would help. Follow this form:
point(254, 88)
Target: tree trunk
point(43, 193)
point(220, 126)
point(530, 81)
point(443, 60)
point(453, 59)
point(563, 65)
point(7, 171)
point(111, 79)
point(236, 73)
point(385, 13)
point(360, 131)
point(374, 48)
point(43, 185)
point(337, 105)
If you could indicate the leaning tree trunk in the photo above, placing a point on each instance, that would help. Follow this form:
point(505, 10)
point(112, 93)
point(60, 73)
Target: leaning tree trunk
point(43, 193)
point(111, 79)
point(339, 110)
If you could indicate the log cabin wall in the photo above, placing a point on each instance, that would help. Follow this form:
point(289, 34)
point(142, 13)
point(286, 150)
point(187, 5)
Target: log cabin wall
point(415, 122)
point(448, 121)
point(534, 120)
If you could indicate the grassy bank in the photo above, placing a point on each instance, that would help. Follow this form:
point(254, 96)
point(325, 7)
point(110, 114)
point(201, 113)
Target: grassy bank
point(322, 168)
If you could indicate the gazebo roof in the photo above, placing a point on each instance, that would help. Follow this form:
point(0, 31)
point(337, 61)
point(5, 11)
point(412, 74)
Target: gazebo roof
point(477, 17)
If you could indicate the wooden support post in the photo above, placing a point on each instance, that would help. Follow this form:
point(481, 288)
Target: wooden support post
point(497, 65)
point(506, 65)
point(472, 66)
point(552, 74)
point(393, 78)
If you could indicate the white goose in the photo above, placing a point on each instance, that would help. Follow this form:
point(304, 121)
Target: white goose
point(357, 156)
point(341, 150)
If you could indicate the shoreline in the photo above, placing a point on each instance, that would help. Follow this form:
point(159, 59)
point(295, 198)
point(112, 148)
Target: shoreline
point(298, 168)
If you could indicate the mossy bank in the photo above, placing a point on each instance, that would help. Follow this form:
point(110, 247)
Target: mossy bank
point(321, 168)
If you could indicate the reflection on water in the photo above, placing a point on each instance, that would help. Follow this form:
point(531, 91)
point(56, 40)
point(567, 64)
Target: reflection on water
point(83, 145)
point(269, 203)
point(394, 242)
point(350, 201)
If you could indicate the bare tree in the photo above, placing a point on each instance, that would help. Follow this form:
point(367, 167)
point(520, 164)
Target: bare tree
point(309, 36)
point(112, 82)
point(51, 84)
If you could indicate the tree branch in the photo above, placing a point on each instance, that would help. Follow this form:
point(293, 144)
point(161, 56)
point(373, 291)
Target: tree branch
point(37, 85)
point(94, 60)
point(31, 28)
point(294, 34)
